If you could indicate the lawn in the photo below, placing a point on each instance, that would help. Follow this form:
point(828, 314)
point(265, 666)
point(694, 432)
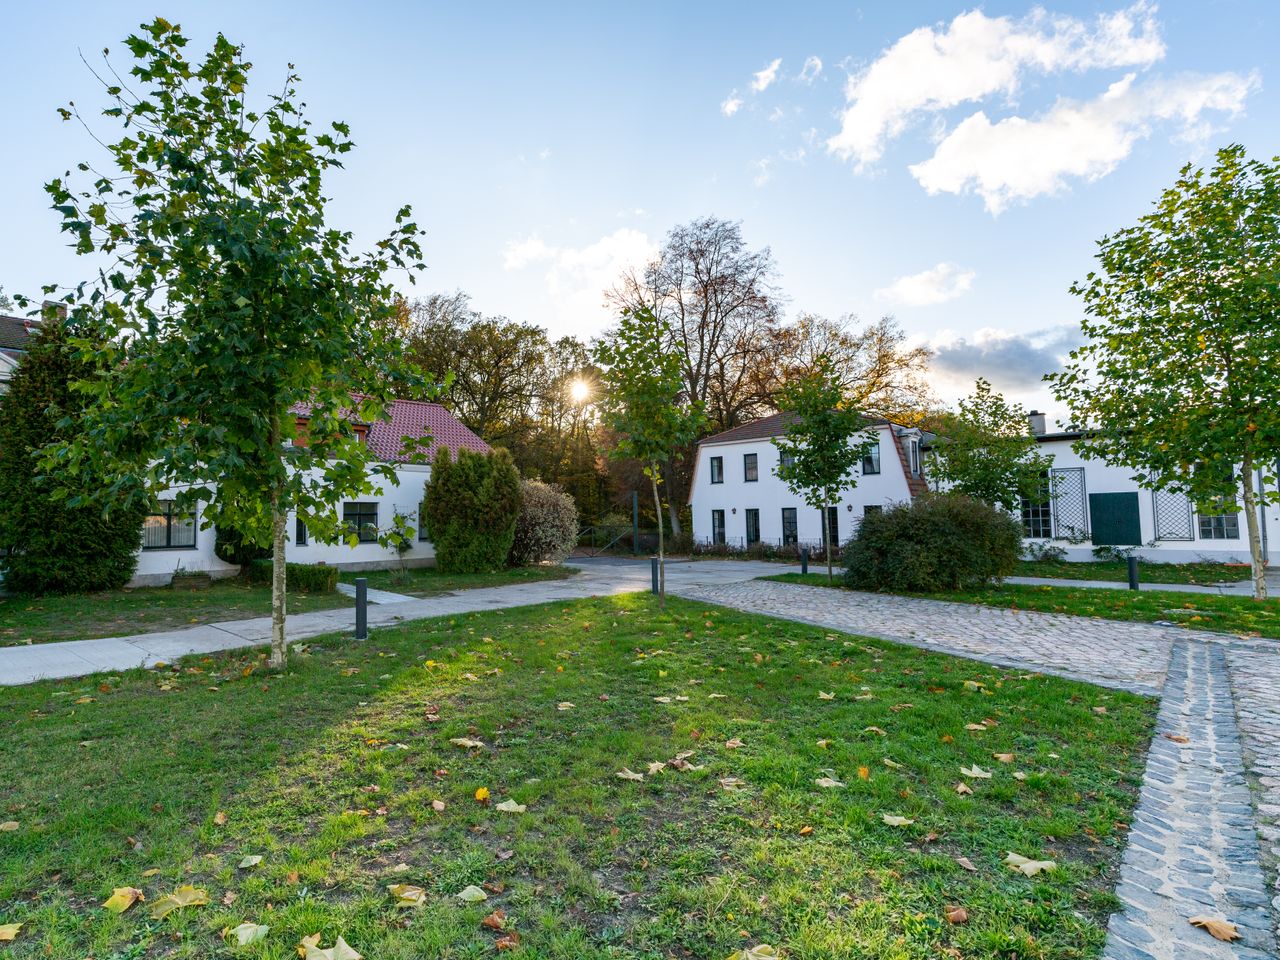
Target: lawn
point(1199, 611)
point(431, 582)
point(119, 613)
point(1118, 571)
point(361, 768)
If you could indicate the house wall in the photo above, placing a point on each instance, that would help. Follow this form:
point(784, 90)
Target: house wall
point(1103, 477)
point(770, 495)
point(156, 566)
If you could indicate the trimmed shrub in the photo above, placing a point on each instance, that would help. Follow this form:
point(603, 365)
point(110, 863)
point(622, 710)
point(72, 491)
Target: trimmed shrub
point(547, 526)
point(938, 542)
point(230, 547)
point(47, 546)
point(307, 577)
point(470, 510)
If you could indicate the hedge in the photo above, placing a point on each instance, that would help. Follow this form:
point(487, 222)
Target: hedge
point(308, 577)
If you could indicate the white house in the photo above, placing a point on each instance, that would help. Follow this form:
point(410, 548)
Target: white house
point(15, 332)
point(1090, 503)
point(171, 540)
point(738, 500)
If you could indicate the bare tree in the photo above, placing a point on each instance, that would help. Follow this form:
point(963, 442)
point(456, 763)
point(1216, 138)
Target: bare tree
point(720, 303)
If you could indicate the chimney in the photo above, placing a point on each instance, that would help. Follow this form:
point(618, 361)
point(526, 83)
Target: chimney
point(1036, 420)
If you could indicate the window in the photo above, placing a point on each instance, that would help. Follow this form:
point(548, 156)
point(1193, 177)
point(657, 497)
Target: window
point(913, 456)
point(362, 520)
point(169, 528)
point(423, 536)
point(717, 469)
point(750, 467)
point(786, 459)
point(1037, 514)
point(753, 526)
point(871, 508)
point(1219, 526)
point(790, 533)
point(871, 460)
point(833, 526)
point(717, 526)
point(299, 532)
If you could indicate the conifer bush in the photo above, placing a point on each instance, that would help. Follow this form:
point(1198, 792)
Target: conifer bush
point(470, 510)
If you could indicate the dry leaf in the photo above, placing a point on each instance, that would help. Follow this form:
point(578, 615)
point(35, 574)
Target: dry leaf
point(1221, 929)
point(732, 784)
point(122, 898)
point(564, 705)
point(976, 772)
point(973, 685)
point(248, 933)
point(9, 826)
point(957, 915)
point(875, 730)
point(656, 766)
point(185, 896)
point(1029, 867)
point(733, 744)
point(826, 696)
point(9, 932)
point(963, 788)
point(1019, 775)
point(472, 894)
point(864, 773)
point(894, 820)
point(508, 942)
point(495, 920)
point(893, 765)
point(805, 831)
point(975, 726)
point(407, 895)
point(466, 743)
point(626, 774)
point(247, 862)
point(828, 782)
point(339, 951)
point(761, 952)
point(437, 806)
point(307, 943)
point(482, 794)
point(220, 818)
point(510, 806)
point(1177, 738)
point(967, 864)
point(1004, 757)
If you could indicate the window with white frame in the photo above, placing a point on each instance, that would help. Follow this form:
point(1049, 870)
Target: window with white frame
point(871, 460)
point(1219, 526)
point(169, 528)
point(913, 456)
point(717, 469)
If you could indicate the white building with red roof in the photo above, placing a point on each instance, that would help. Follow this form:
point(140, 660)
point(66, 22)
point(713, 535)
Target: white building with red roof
point(172, 541)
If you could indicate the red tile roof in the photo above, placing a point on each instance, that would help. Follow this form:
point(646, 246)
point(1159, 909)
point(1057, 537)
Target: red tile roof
point(415, 418)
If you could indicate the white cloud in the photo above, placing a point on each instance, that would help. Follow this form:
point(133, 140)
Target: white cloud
point(763, 78)
point(809, 72)
point(764, 171)
point(1009, 359)
point(975, 56)
point(576, 277)
point(731, 105)
point(938, 284)
point(1017, 159)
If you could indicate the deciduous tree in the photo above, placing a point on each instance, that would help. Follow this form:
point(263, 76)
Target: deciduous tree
point(1180, 373)
point(227, 305)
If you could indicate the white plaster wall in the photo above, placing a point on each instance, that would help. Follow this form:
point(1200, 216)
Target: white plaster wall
point(769, 494)
point(156, 567)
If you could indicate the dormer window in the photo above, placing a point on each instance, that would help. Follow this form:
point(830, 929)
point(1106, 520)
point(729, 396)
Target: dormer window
point(913, 455)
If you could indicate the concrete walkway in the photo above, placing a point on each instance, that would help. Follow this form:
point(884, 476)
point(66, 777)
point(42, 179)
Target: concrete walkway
point(375, 596)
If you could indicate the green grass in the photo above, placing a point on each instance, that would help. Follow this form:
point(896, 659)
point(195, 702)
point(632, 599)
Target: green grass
point(330, 771)
point(430, 582)
point(1198, 611)
point(119, 613)
point(1118, 571)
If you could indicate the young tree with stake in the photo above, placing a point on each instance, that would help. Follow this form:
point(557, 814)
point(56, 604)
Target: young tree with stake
point(643, 403)
point(1180, 375)
point(227, 306)
point(824, 444)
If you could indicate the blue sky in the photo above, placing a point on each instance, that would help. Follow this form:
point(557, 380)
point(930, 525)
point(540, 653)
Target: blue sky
point(949, 164)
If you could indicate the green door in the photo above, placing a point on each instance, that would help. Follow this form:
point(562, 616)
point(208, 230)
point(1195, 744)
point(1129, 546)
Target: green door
point(1113, 518)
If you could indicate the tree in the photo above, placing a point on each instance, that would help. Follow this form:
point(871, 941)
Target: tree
point(470, 510)
point(47, 545)
point(1180, 371)
point(237, 338)
point(717, 301)
point(6, 302)
point(987, 451)
point(645, 404)
point(824, 443)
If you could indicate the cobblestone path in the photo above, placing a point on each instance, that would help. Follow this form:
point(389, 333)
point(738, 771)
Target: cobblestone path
point(1202, 842)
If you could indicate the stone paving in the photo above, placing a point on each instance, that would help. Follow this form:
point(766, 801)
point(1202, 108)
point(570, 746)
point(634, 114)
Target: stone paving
point(1194, 844)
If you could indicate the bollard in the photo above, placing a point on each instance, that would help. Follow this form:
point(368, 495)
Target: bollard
point(653, 569)
point(362, 609)
point(804, 560)
point(1133, 573)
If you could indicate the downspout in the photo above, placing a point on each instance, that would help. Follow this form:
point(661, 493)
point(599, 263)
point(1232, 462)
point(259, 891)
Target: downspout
point(1262, 513)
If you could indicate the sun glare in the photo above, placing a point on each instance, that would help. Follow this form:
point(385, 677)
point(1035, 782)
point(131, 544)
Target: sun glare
point(579, 390)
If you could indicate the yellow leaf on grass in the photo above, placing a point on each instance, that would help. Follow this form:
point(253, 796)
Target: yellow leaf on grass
point(828, 782)
point(482, 794)
point(249, 932)
point(973, 685)
point(220, 818)
point(437, 806)
point(250, 861)
point(9, 931)
point(876, 730)
point(655, 766)
point(8, 826)
point(122, 898)
point(761, 952)
point(895, 821)
point(510, 806)
point(466, 743)
point(956, 914)
point(185, 896)
point(626, 774)
point(826, 696)
point(976, 772)
point(733, 744)
point(339, 951)
point(1222, 929)
point(891, 764)
point(407, 895)
point(963, 788)
point(306, 943)
point(1029, 867)
point(472, 894)
point(864, 773)
point(975, 726)
point(1004, 757)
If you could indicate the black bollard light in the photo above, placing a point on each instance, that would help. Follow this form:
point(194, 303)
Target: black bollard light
point(362, 608)
point(1133, 573)
point(804, 560)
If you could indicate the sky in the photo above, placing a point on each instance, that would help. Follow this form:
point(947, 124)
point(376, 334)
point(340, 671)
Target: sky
point(951, 165)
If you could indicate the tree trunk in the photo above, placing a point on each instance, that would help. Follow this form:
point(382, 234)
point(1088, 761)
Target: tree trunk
point(826, 542)
point(662, 560)
point(672, 513)
point(1251, 523)
point(279, 652)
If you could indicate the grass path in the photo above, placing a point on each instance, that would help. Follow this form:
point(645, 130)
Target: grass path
point(342, 776)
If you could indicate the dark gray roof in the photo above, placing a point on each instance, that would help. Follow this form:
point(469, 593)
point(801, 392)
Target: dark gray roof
point(16, 331)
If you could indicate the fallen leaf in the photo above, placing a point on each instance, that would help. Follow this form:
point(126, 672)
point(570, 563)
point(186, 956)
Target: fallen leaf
point(1099, 709)
point(761, 952)
point(9, 826)
point(1029, 867)
point(229, 898)
point(185, 896)
point(472, 894)
point(1019, 775)
point(805, 831)
point(826, 696)
point(564, 705)
point(250, 861)
point(510, 806)
point(732, 784)
point(864, 773)
point(967, 864)
point(437, 806)
point(495, 920)
point(975, 726)
point(466, 743)
point(661, 699)
point(626, 774)
point(891, 764)
point(1177, 738)
point(828, 782)
point(308, 942)
point(482, 794)
point(154, 871)
point(220, 818)
point(1003, 757)
point(973, 685)
point(957, 915)
point(1221, 929)
point(894, 820)
point(656, 766)
point(976, 772)
point(876, 730)
point(9, 932)
point(824, 744)
point(733, 744)
point(339, 951)
point(508, 942)
point(963, 788)
point(248, 933)
point(122, 898)
point(407, 895)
